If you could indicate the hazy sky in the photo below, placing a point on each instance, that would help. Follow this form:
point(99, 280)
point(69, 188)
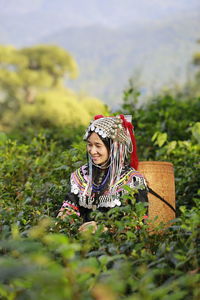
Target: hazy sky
point(100, 11)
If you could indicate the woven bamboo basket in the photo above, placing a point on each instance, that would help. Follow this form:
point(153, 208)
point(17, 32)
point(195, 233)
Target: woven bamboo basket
point(160, 178)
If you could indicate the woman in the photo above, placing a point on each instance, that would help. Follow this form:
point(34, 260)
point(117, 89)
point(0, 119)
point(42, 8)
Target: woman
point(112, 163)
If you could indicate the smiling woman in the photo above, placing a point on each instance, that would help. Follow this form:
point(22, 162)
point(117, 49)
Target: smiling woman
point(97, 149)
point(112, 164)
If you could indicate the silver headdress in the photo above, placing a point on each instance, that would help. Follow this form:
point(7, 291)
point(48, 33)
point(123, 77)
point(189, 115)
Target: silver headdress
point(111, 127)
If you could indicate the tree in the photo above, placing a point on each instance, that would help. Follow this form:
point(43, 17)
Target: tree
point(32, 90)
point(25, 72)
point(55, 61)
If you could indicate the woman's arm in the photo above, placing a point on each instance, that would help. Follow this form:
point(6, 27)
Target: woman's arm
point(141, 196)
point(69, 207)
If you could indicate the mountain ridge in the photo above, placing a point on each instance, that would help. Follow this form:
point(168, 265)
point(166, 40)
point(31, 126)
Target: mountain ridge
point(157, 47)
point(110, 50)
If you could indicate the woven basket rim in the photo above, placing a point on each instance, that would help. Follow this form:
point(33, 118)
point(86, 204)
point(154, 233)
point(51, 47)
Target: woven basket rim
point(156, 162)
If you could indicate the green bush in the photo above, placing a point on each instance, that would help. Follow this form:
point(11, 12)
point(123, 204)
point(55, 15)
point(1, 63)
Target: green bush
point(166, 114)
point(167, 129)
point(34, 178)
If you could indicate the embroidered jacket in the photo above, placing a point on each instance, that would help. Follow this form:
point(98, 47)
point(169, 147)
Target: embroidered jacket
point(79, 200)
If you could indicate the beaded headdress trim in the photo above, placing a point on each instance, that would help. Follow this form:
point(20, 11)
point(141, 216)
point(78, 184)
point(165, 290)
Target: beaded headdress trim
point(111, 127)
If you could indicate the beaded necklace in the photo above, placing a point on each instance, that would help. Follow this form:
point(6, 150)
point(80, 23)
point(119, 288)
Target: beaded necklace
point(99, 187)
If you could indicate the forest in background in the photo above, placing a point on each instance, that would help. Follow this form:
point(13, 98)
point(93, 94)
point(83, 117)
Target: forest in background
point(42, 124)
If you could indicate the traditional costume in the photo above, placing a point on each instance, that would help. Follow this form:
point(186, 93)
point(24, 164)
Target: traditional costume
point(100, 187)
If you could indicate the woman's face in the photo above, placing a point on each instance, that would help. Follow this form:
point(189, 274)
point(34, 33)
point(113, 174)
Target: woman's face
point(97, 149)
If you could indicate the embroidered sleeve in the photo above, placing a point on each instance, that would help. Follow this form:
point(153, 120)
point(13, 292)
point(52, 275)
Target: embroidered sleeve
point(68, 208)
point(139, 182)
point(71, 204)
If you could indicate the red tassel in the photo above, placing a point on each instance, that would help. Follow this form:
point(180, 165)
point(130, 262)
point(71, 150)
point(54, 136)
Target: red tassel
point(98, 117)
point(134, 158)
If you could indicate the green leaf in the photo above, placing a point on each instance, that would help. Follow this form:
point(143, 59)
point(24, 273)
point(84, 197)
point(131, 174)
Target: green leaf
point(3, 138)
point(196, 131)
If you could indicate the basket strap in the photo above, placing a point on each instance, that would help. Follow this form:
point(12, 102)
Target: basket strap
point(161, 198)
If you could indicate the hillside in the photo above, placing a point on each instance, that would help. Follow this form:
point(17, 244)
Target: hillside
point(155, 53)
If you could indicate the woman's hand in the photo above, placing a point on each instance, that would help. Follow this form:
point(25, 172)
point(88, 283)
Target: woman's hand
point(88, 225)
